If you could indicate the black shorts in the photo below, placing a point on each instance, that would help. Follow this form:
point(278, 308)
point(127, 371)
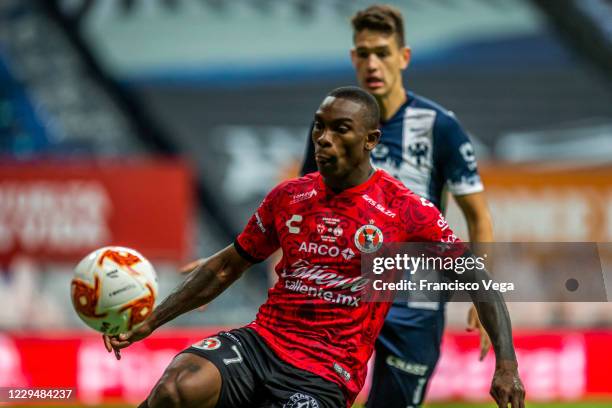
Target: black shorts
point(253, 376)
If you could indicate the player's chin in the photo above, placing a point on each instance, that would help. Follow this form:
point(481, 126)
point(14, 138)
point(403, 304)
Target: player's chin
point(376, 90)
point(327, 168)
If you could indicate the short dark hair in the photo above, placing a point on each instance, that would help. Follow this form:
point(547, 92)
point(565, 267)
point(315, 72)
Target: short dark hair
point(367, 101)
point(380, 17)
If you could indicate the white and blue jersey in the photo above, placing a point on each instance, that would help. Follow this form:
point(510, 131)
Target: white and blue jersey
point(424, 146)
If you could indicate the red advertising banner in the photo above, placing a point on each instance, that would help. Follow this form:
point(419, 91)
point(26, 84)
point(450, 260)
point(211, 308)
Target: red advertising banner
point(555, 365)
point(62, 210)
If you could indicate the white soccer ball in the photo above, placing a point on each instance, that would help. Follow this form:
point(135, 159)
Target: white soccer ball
point(114, 289)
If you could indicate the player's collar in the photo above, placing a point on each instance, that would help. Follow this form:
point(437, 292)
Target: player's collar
point(359, 188)
point(403, 106)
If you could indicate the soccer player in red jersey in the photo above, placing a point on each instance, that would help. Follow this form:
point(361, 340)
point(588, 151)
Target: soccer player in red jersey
point(311, 340)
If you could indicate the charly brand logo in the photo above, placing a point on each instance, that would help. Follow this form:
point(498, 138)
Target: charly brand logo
point(368, 238)
point(211, 343)
point(299, 400)
point(295, 219)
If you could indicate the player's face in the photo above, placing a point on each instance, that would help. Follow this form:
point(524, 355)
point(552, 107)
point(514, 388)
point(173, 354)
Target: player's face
point(379, 62)
point(341, 139)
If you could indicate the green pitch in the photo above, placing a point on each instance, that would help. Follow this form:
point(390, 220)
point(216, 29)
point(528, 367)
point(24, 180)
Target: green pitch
point(528, 405)
point(449, 405)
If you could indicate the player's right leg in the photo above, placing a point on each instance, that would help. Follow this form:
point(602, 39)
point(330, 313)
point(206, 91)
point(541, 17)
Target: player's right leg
point(189, 381)
point(210, 374)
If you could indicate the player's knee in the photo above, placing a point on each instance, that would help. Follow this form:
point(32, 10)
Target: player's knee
point(165, 394)
point(198, 388)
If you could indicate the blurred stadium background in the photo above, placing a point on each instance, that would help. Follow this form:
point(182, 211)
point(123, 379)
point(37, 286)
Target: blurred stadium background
point(160, 125)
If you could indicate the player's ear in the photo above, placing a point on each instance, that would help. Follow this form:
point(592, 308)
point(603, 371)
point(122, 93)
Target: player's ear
point(372, 139)
point(405, 55)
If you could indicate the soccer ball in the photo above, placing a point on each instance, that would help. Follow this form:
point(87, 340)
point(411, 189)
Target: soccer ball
point(114, 289)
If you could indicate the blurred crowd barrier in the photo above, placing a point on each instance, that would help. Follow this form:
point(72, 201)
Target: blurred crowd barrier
point(547, 202)
point(556, 365)
point(58, 211)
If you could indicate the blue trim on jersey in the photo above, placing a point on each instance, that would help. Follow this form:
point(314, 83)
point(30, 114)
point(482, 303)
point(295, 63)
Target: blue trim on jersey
point(424, 146)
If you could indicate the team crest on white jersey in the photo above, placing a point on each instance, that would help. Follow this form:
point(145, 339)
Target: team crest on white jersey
point(211, 343)
point(368, 238)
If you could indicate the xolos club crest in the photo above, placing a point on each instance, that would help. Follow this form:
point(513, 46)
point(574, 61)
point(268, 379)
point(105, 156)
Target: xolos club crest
point(368, 238)
point(211, 343)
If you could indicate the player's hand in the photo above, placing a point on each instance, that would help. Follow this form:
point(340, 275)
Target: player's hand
point(116, 343)
point(506, 387)
point(474, 324)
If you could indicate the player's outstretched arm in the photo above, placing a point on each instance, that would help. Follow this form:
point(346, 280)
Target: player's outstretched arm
point(506, 387)
point(203, 284)
point(480, 229)
point(191, 266)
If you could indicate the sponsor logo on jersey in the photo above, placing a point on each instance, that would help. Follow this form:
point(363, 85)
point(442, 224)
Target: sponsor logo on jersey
point(298, 198)
point(378, 206)
point(406, 366)
point(442, 223)
point(299, 400)
point(326, 250)
point(211, 343)
point(368, 238)
point(322, 275)
point(467, 152)
point(348, 254)
point(259, 222)
point(343, 372)
point(231, 336)
point(319, 249)
point(295, 219)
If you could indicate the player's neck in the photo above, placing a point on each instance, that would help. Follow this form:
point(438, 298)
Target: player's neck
point(355, 178)
point(390, 103)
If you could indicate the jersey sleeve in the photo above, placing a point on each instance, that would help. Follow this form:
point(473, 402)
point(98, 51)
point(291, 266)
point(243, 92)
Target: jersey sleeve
point(425, 223)
point(456, 157)
point(309, 165)
point(259, 239)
